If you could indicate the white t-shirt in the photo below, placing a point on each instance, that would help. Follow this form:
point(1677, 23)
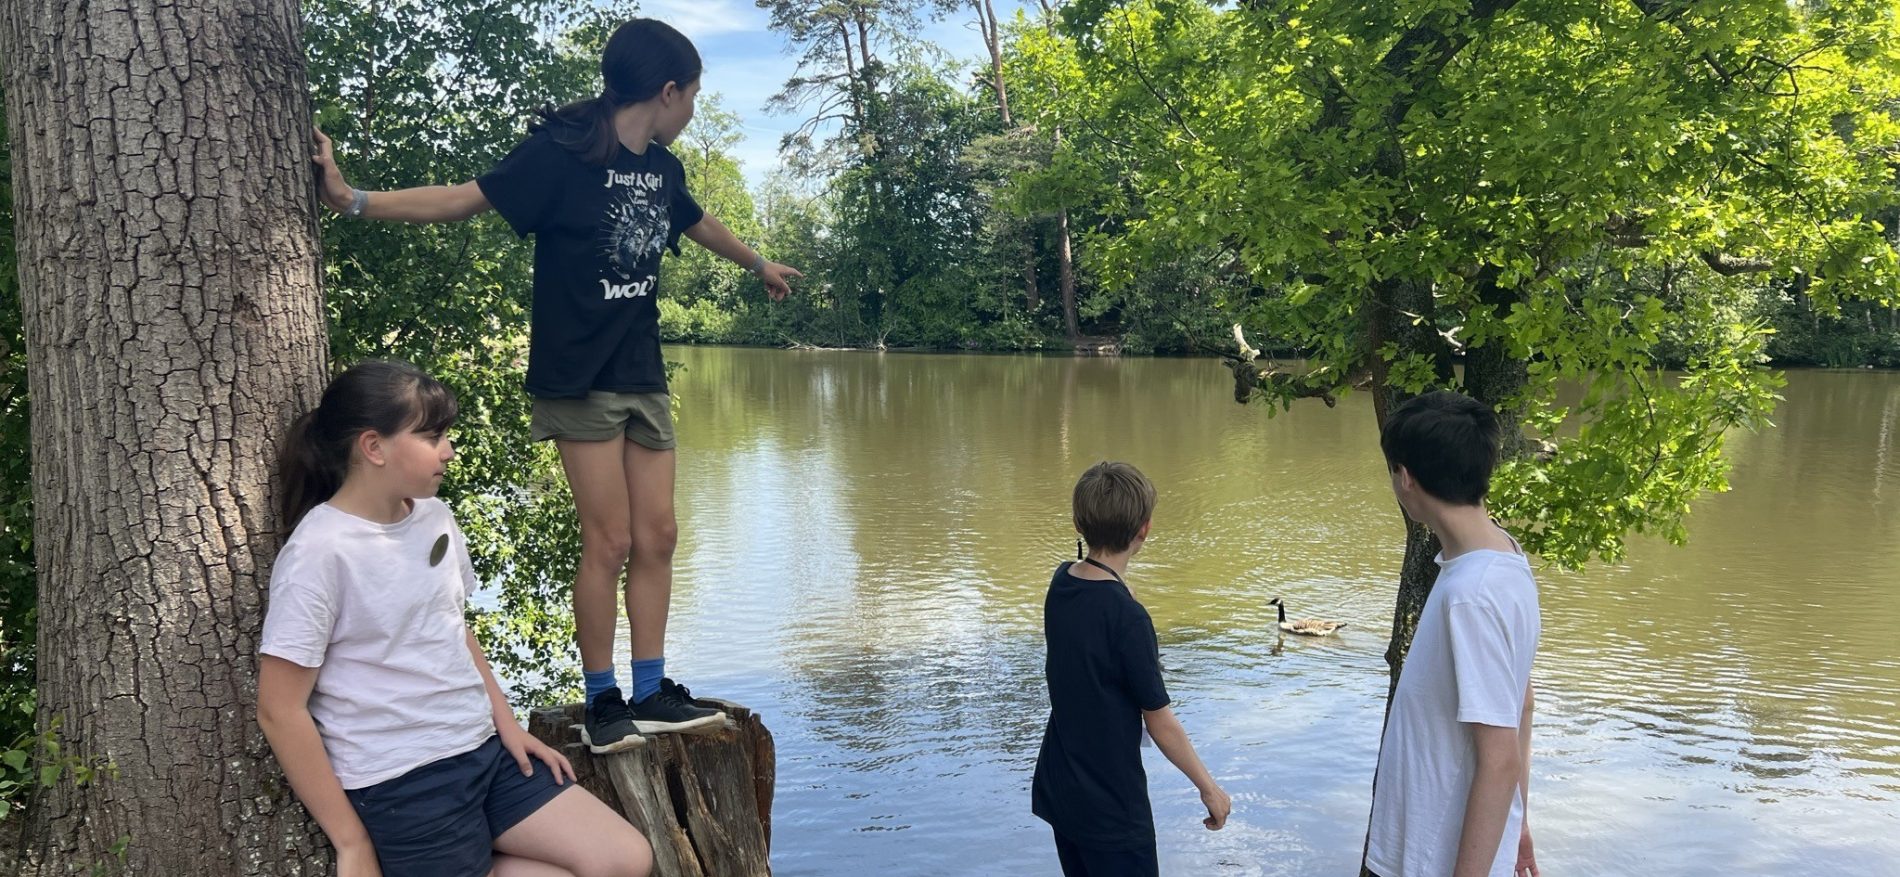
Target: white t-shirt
point(1470, 662)
point(396, 685)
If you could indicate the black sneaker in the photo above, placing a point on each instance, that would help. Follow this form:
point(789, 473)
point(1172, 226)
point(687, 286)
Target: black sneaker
point(671, 709)
point(610, 726)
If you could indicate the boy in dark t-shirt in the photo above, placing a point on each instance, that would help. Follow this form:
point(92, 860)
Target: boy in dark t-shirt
point(1104, 673)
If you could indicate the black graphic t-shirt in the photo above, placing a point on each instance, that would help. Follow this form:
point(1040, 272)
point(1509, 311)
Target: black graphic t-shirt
point(598, 234)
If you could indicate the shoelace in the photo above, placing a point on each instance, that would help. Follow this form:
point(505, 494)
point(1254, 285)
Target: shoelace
point(676, 692)
point(611, 709)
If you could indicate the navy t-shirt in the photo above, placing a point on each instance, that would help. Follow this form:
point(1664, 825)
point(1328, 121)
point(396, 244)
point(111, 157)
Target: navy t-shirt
point(598, 234)
point(1104, 668)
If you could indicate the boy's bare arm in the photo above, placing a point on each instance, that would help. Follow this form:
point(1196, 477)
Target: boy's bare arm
point(1526, 853)
point(1488, 804)
point(1172, 740)
point(1524, 749)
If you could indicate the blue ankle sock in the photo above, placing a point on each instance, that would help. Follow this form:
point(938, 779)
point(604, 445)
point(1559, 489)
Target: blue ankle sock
point(646, 678)
point(598, 681)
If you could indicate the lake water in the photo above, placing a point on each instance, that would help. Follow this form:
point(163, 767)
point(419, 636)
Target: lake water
point(866, 539)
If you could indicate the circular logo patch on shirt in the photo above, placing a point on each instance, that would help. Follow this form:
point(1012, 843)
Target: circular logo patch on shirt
point(440, 550)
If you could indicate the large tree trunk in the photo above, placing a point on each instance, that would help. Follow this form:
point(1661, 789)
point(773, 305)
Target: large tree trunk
point(169, 283)
point(1495, 377)
point(1395, 300)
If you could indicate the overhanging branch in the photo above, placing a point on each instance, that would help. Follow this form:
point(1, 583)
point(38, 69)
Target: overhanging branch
point(1249, 377)
point(1628, 233)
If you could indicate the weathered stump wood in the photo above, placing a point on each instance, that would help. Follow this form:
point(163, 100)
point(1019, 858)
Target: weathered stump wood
point(703, 800)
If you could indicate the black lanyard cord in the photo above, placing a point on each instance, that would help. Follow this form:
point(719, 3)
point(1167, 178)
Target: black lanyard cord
point(1104, 568)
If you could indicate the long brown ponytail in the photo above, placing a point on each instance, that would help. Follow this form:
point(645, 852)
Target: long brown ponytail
point(383, 396)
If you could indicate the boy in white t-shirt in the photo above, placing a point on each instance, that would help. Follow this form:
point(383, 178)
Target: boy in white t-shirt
point(1454, 768)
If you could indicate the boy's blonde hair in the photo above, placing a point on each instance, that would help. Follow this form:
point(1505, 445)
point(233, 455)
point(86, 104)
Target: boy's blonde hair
point(1112, 501)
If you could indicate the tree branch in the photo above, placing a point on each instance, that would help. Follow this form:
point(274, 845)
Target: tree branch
point(1628, 233)
point(1249, 377)
point(1729, 266)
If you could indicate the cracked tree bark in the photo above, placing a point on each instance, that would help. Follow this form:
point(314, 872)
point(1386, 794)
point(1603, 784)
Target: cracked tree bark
point(169, 282)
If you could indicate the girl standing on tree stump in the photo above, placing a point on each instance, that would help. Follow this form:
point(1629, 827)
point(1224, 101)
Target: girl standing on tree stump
point(596, 186)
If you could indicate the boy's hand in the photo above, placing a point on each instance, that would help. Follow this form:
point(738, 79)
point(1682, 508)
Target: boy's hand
point(330, 186)
point(357, 860)
point(522, 744)
point(775, 276)
point(1218, 806)
point(1526, 858)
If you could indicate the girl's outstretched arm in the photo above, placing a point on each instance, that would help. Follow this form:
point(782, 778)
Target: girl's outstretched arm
point(283, 711)
point(715, 236)
point(420, 204)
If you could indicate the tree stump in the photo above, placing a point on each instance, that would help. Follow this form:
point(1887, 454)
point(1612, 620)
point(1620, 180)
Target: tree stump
point(704, 800)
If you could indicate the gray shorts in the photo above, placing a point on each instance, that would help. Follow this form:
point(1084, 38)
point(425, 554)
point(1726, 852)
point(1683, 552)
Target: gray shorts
point(646, 418)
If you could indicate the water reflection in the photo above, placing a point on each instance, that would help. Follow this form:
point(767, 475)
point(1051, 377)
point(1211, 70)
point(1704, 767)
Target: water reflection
point(866, 539)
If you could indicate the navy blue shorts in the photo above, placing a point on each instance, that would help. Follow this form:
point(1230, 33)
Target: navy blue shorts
point(1084, 861)
point(441, 819)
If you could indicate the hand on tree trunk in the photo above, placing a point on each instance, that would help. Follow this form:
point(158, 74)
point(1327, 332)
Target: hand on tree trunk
point(331, 188)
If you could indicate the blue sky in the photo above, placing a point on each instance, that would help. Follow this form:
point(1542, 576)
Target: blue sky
point(746, 63)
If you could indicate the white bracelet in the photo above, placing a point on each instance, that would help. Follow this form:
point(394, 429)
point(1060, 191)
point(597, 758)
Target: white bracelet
point(758, 266)
point(359, 200)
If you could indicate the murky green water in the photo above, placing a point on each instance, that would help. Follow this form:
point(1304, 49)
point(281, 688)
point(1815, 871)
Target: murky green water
point(866, 540)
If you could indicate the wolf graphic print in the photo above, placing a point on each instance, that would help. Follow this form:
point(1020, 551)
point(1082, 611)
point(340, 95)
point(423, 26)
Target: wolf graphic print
point(633, 233)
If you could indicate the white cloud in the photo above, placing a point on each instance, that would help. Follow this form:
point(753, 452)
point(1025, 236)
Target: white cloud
point(704, 18)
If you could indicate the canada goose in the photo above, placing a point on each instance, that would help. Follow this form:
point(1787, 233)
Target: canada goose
point(1305, 626)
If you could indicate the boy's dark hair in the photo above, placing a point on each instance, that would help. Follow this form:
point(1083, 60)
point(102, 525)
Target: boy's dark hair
point(641, 57)
point(1447, 440)
point(388, 397)
point(1112, 501)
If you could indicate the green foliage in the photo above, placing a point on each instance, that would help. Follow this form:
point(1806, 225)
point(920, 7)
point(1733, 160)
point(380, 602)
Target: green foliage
point(18, 585)
point(701, 322)
point(911, 197)
point(698, 277)
point(1855, 334)
point(34, 762)
point(1576, 185)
